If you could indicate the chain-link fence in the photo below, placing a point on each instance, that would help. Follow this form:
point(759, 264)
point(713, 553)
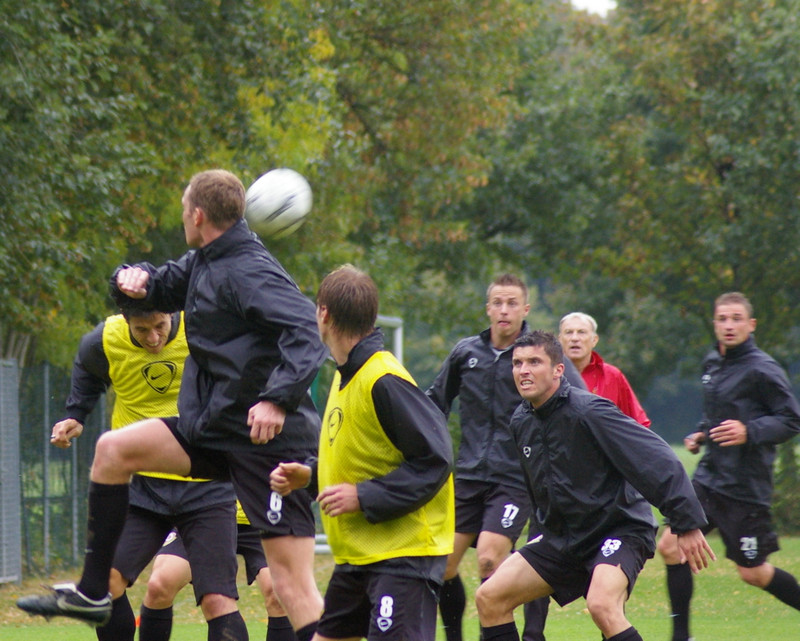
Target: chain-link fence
point(53, 481)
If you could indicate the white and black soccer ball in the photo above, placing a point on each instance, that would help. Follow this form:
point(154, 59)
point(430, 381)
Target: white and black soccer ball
point(278, 203)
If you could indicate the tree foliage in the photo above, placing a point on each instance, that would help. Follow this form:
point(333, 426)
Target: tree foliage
point(109, 107)
point(652, 165)
point(633, 167)
point(711, 158)
point(66, 159)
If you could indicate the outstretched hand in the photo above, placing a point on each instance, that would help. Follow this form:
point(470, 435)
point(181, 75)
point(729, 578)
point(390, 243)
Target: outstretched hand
point(695, 550)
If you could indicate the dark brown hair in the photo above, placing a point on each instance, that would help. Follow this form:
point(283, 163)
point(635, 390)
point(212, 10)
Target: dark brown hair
point(540, 338)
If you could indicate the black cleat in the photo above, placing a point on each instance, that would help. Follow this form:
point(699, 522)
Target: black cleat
point(64, 600)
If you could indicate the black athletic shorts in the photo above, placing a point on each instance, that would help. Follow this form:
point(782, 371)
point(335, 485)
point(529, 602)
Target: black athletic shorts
point(271, 514)
point(248, 546)
point(569, 576)
point(746, 529)
point(209, 535)
point(170, 496)
point(379, 607)
point(490, 507)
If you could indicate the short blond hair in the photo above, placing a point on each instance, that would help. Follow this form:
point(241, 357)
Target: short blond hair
point(508, 280)
point(734, 298)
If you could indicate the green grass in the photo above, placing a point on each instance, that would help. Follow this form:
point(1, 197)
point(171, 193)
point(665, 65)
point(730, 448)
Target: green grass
point(724, 608)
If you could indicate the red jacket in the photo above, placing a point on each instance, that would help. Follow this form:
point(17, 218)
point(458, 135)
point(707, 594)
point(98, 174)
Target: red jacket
point(608, 381)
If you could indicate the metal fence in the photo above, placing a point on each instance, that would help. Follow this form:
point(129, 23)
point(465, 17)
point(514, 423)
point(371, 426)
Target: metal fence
point(53, 481)
point(10, 565)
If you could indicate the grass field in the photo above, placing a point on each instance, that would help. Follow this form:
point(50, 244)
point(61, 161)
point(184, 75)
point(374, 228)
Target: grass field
point(724, 608)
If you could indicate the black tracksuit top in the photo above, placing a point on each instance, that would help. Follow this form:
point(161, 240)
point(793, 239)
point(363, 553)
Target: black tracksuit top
point(745, 384)
point(252, 336)
point(593, 471)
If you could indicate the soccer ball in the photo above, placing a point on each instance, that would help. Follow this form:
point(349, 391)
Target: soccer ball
point(278, 203)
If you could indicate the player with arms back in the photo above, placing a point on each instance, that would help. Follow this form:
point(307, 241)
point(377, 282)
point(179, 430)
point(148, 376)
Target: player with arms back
point(492, 506)
point(583, 458)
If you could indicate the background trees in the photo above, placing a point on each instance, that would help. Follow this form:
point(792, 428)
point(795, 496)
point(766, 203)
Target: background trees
point(632, 167)
point(108, 107)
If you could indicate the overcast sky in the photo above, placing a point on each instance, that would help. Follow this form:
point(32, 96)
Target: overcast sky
point(598, 6)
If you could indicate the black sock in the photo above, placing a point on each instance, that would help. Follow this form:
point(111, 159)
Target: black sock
point(784, 587)
point(155, 624)
point(452, 603)
point(502, 632)
point(680, 586)
point(307, 631)
point(627, 635)
point(108, 506)
point(280, 629)
point(122, 625)
point(535, 618)
point(228, 627)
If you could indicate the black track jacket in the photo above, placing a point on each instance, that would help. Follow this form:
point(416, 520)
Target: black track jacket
point(588, 467)
point(484, 384)
point(745, 384)
point(252, 336)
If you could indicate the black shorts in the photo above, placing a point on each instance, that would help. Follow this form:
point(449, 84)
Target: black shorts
point(169, 497)
point(490, 507)
point(248, 546)
point(207, 535)
point(569, 576)
point(379, 606)
point(271, 514)
point(746, 529)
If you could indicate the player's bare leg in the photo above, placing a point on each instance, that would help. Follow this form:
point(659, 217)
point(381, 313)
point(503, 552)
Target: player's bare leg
point(291, 564)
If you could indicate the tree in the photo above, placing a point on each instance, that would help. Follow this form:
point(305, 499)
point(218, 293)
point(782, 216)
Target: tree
point(710, 159)
point(416, 85)
point(653, 167)
point(67, 157)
